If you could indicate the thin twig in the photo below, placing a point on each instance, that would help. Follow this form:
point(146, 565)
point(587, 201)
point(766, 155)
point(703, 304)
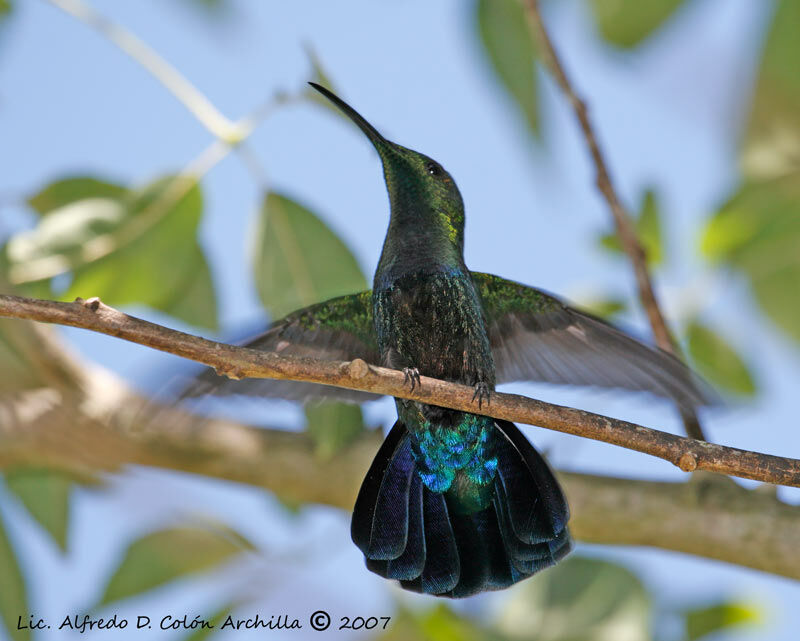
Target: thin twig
point(200, 106)
point(622, 221)
point(239, 362)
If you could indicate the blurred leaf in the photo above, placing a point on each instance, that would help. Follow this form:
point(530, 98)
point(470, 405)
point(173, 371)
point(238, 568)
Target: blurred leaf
point(167, 555)
point(626, 23)
point(727, 232)
point(5, 8)
point(69, 190)
point(13, 593)
point(62, 235)
point(704, 621)
point(18, 372)
point(772, 137)
point(298, 259)
point(579, 598)
point(26, 363)
point(605, 307)
point(196, 302)
point(141, 248)
point(214, 5)
point(439, 623)
point(648, 230)
point(333, 426)
point(758, 233)
point(320, 76)
point(508, 43)
point(216, 620)
point(718, 361)
point(158, 261)
point(45, 494)
point(292, 506)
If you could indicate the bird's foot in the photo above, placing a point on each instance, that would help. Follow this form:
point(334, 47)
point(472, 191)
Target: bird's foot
point(482, 392)
point(411, 376)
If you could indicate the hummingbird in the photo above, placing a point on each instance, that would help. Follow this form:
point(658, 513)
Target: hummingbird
point(455, 503)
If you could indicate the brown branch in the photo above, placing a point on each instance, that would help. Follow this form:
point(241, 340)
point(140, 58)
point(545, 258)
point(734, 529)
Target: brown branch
point(239, 362)
point(622, 220)
point(710, 517)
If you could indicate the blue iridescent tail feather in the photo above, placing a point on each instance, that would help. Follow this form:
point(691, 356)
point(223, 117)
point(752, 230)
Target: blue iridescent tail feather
point(436, 543)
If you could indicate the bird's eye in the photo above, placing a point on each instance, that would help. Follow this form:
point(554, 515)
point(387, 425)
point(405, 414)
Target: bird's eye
point(433, 169)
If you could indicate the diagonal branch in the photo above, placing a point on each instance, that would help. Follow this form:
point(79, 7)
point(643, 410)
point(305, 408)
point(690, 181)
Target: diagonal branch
point(710, 517)
point(622, 220)
point(239, 362)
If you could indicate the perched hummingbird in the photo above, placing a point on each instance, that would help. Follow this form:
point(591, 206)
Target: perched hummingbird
point(455, 503)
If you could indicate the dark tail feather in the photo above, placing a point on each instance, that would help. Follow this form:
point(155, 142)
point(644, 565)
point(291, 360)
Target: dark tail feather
point(410, 533)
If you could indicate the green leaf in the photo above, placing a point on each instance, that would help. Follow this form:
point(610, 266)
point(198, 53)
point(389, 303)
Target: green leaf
point(718, 361)
point(171, 554)
point(216, 620)
point(648, 227)
point(438, 623)
point(298, 260)
point(772, 136)
point(62, 237)
point(18, 345)
point(13, 592)
point(141, 248)
point(605, 307)
point(626, 23)
point(23, 353)
point(648, 230)
point(197, 301)
point(45, 494)
point(333, 426)
point(158, 261)
point(727, 233)
point(757, 232)
point(579, 598)
point(69, 190)
point(210, 5)
point(320, 76)
point(507, 41)
point(722, 616)
point(5, 8)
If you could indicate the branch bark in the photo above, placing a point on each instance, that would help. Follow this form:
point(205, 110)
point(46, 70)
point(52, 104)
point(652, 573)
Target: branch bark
point(239, 362)
point(622, 220)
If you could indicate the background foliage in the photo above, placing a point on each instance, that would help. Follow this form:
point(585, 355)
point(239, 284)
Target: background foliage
point(135, 243)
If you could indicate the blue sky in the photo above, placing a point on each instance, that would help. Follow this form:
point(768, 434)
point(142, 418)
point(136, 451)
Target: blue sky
point(70, 102)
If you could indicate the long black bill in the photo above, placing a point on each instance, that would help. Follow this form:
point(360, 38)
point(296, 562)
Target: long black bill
point(370, 131)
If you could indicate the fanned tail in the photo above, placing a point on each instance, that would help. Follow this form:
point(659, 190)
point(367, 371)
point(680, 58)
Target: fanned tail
point(425, 540)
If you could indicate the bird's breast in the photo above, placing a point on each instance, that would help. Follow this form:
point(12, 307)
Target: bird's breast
point(434, 322)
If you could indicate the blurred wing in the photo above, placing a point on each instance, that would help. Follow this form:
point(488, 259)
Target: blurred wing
point(534, 336)
point(339, 329)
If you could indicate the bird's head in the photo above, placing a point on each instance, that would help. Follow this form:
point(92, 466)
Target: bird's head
point(424, 198)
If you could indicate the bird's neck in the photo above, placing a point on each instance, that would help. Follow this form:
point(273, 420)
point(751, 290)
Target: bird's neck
point(417, 249)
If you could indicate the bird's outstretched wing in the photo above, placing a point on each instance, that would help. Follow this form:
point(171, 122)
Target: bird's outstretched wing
point(536, 337)
point(338, 329)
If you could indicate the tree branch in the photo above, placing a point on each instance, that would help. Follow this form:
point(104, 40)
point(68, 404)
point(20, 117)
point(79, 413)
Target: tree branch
point(622, 220)
point(710, 517)
point(239, 362)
